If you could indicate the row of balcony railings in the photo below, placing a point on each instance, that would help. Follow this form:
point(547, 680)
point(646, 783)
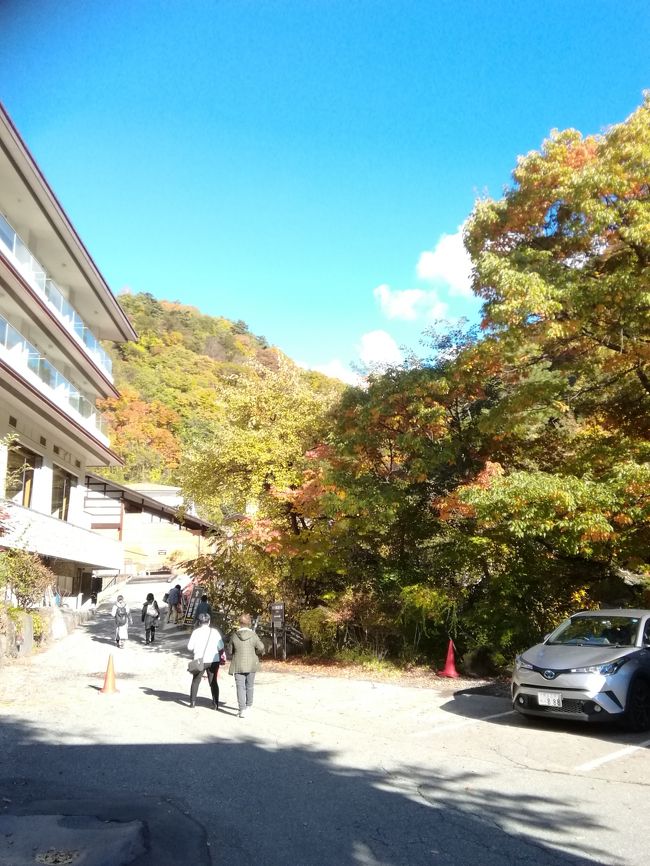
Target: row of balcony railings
point(25, 355)
point(37, 277)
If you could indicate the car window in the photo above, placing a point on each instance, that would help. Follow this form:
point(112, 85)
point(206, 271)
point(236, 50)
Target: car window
point(597, 631)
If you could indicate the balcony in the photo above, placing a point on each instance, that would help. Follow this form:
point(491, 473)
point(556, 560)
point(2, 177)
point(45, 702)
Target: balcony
point(31, 530)
point(47, 289)
point(25, 357)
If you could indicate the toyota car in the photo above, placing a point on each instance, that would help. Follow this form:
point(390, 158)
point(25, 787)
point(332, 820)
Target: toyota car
point(593, 667)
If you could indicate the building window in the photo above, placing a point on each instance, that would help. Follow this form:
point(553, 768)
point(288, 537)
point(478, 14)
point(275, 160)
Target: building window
point(21, 464)
point(62, 484)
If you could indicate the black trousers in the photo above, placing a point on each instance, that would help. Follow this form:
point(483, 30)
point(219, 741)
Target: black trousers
point(212, 671)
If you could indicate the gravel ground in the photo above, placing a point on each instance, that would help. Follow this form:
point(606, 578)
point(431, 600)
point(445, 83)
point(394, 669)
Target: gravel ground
point(415, 677)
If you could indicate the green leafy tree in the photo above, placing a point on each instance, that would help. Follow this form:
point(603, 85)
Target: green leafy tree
point(270, 419)
point(25, 575)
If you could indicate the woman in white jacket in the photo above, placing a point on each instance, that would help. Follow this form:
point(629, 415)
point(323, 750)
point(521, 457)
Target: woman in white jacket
point(207, 644)
point(121, 613)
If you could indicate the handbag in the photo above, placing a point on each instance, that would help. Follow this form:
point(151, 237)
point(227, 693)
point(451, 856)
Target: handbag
point(196, 665)
point(222, 657)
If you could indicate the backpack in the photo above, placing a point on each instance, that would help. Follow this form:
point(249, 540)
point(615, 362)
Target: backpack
point(121, 616)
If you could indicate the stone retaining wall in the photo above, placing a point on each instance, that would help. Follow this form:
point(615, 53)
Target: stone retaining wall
point(17, 628)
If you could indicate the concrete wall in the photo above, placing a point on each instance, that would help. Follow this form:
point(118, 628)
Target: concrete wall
point(48, 536)
point(17, 631)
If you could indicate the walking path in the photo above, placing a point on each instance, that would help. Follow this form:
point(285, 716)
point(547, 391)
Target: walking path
point(324, 772)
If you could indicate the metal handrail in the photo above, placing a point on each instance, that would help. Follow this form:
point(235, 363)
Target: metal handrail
point(50, 292)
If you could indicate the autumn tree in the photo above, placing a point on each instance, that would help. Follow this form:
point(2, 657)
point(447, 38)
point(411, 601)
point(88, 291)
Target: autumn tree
point(271, 417)
point(505, 478)
point(144, 433)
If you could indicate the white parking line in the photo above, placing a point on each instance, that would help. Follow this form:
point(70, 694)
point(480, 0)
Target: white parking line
point(613, 756)
point(456, 726)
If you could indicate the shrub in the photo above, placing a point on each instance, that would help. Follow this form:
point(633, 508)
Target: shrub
point(38, 627)
point(25, 576)
point(320, 630)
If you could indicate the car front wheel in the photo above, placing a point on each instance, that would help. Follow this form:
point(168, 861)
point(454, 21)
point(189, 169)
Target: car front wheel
point(637, 711)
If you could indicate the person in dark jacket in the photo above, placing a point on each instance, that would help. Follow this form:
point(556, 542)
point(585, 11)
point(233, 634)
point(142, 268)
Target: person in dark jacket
point(174, 600)
point(244, 648)
point(150, 616)
point(202, 607)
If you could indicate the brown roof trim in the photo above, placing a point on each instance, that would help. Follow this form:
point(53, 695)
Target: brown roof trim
point(189, 521)
point(128, 327)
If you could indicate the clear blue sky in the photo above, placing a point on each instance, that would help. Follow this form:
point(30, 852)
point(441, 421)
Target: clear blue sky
point(304, 165)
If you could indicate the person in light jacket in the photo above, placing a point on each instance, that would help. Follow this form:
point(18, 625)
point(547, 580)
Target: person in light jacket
point(121, 613)
point(245, 648)
point(207, 644)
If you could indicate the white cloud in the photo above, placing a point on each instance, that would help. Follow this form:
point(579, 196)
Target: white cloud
point(449, 263)
point(338, 370)
point(398, 305)
point(375, 349)
point(409, 304)
point(378, 347)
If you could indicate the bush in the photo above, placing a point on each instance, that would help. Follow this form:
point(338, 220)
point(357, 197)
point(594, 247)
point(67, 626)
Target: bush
point(320, 630)
point(38, 627)
point(25, 576)
point(366, 659)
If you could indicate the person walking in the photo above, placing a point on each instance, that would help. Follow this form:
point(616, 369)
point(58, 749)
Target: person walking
point(121, 613)
point(244, 648)
point(174, 602)
point(206, 644)
point(203, 606)
point(150, 616)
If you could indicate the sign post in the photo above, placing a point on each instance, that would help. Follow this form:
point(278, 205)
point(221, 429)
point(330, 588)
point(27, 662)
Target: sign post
point(278, 629)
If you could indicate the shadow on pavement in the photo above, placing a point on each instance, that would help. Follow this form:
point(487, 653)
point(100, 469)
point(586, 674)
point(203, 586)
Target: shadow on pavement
point(485, 704)
point(269, 804)
point(183, 698)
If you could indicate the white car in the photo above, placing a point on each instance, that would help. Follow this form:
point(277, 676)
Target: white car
point(593, 667)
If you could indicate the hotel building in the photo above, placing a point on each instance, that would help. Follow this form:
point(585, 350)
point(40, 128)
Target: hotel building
point(55, 309)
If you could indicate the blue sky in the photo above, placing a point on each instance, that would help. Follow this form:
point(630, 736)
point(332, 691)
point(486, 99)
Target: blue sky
point(304, 165)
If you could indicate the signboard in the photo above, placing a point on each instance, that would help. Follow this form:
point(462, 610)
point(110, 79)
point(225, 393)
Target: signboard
point(277, 614)
point(277, 625)
point(192, 601)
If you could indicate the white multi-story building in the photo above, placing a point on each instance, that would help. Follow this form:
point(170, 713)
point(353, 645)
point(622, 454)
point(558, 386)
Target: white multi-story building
point(55, 308)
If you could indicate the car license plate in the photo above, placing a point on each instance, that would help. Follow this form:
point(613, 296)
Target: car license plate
point(549, 699)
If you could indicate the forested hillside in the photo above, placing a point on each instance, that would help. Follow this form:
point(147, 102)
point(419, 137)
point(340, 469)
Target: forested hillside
point(179, 381)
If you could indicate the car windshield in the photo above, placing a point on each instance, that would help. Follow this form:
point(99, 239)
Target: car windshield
point(597, 631)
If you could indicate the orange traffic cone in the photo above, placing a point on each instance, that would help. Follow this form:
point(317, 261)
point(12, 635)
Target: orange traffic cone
point(450, 665)
point(109, 679)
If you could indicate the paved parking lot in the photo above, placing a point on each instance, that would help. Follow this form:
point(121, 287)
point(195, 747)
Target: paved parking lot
point(325, 770)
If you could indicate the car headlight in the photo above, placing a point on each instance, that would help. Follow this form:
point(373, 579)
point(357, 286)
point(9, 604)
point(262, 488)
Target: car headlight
point(522, 665)
point(605, 670)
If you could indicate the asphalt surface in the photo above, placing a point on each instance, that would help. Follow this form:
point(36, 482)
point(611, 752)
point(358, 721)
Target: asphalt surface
point(324, 771)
